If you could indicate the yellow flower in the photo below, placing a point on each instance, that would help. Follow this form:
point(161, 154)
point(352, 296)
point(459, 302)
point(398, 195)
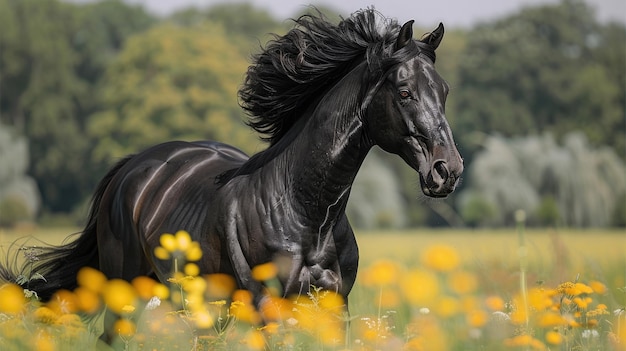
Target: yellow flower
point(574, 289)
point(265, 271)
point(276, 308)
point(128, 309)
point(381, 273)
point(70, 320)
point(539, 299)
point(45, 315)
point(271, 328)
point(244, 312)
point(520, 340)
point(446, 306)
point(12, 298)
point(194, 253)
point(419, 287)
point(144, 286)
point(44, 342)
point(494, 303)
point(161, 291)
point(124, 327)
point(242, 308)
point(441, 258)
point(118, 293)
point(195, 285)
point(551, 319)
point(462, 282)
point(582, 303)
point(183, 240)
point(331, 301)
point(554, 338)
point(598, 287)
point(519, 315)
point(220, 286)
point(161, 253)
point(73, 326)
point(180, 242)
point(477, 318)
point(192, 269)
point(64, 301)
point(168, 242)
point(243, 296)
point(87, 299)
point(203, 319)
point(91, 279)
point(255, 340)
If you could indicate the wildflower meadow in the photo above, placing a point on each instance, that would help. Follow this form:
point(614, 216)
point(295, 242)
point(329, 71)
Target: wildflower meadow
point(437, 298)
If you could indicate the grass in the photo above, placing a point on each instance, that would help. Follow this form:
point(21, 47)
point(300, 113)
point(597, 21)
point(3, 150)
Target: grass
point(425, 289)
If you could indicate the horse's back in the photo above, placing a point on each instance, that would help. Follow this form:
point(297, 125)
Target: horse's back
point(166, 188)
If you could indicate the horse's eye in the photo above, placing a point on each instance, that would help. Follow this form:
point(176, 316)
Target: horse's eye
point(405, 94)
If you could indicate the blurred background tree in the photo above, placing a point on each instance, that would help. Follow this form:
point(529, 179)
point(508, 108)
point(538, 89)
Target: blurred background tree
point(573, 184)
point(171, 82)
point(52, 55)
point(550, 68)
point(19, 196)
point(537, 105)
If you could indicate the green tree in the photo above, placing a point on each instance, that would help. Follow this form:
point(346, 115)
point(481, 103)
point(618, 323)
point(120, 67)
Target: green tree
point(171, 82)
point(101, 30)
point(40, 91)
point(548, 68)
point(572, 184)
point(246, 26)
point(51, 56)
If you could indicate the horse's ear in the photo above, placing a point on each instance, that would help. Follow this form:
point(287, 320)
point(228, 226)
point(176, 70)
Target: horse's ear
point(406, 35)
point(434, 38)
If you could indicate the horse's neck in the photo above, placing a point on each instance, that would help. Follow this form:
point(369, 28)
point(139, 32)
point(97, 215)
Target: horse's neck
point(315, 172)
point(325, 159)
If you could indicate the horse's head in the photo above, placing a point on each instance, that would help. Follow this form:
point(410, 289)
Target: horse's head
point(407, 115)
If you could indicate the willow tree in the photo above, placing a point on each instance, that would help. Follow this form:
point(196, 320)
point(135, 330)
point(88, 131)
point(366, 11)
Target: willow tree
point(584, 183)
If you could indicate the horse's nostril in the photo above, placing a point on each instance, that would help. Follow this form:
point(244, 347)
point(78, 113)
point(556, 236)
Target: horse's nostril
point(442, 170)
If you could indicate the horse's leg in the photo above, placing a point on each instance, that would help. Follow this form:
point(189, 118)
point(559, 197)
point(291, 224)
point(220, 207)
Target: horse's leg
point(111, 264)
point(348, 255)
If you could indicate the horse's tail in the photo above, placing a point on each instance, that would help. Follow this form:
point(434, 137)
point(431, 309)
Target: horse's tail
point(45, 270)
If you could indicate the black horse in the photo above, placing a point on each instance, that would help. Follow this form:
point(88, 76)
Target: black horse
point(322, 95)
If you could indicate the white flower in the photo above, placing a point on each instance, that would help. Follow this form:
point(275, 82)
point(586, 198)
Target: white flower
point(424, 310)
point(153, 303)
point(588, 333)
point(500, 316)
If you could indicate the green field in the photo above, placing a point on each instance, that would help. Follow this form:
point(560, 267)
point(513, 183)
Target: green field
point(576, 250)
point(406, 301)
point(567, 251)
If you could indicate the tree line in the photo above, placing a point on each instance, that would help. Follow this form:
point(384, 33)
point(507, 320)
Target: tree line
point(82, 85)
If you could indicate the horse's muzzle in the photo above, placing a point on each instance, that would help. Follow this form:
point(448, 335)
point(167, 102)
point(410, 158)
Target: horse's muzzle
point(442, 178)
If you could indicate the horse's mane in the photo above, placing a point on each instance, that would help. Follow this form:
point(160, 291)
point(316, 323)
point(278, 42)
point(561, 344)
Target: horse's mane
point(293, 70)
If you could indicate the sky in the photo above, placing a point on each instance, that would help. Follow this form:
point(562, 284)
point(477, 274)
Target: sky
point(453, 13)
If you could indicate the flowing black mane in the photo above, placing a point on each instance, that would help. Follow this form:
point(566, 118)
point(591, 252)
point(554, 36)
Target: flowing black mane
point(295, 69)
